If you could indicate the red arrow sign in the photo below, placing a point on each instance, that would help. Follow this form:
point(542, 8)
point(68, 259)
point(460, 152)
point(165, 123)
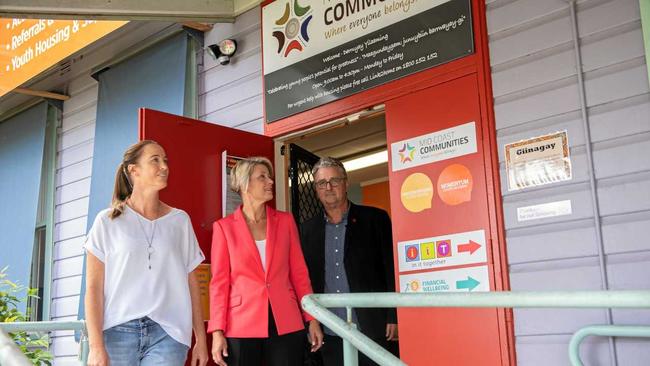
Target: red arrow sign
point(470, 247)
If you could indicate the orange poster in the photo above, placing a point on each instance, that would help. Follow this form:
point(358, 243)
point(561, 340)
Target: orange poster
point(31, 46)
point(455, 185)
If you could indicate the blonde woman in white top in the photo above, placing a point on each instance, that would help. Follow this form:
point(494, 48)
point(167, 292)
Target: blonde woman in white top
point(142, 296)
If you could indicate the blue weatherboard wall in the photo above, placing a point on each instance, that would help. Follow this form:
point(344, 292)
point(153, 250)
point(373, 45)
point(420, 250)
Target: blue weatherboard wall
point(22, 139)
point(152, 79)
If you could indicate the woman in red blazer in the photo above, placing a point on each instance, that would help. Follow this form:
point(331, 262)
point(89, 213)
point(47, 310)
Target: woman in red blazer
point(258, 278)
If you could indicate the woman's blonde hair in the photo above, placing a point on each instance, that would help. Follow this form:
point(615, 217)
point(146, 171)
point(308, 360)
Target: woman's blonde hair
point(241, 173)
point(123, 186)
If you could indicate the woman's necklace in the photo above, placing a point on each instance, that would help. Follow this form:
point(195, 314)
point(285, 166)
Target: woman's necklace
point(150, 248)
point(253, 221)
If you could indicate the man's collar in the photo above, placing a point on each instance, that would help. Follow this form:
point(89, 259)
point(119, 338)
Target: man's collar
point(345, 214)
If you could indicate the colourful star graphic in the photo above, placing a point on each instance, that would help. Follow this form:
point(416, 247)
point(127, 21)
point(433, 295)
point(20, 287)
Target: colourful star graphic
point(292, 30)
point(406, 153)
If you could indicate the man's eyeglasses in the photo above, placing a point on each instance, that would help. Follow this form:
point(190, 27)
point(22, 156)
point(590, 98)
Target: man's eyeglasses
point(333, 182)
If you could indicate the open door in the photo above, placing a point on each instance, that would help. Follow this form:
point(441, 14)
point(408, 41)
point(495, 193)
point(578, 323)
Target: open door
point(194, 149)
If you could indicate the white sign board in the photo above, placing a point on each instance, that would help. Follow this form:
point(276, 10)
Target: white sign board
point(442, 251)
point(454, 280)
point(544, 210)
point(440, 145)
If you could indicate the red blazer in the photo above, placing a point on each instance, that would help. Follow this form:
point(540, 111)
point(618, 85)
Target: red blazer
point(240, 290)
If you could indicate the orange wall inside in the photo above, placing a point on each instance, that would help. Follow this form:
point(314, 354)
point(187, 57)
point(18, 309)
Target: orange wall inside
point(376, 195)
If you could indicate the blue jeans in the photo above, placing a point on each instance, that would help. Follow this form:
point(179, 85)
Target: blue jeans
point(143, 342)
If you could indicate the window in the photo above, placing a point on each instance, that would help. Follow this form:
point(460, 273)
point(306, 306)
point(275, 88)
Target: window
point(41, 268)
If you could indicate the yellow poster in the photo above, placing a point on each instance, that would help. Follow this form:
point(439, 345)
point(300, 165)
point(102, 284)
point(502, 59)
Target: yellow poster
point(416, 192)
point(30, 46)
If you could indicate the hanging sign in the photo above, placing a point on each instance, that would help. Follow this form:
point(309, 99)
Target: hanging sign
point(31, 46)
point(538, 161)
point(315, 52)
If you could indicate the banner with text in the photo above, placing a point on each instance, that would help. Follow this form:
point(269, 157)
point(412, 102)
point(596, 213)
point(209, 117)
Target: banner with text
point(31, 46)
point(436, 146)
point(318, 52)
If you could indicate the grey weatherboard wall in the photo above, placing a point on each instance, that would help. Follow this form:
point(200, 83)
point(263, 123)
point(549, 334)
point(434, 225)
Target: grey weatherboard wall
point(535, 93)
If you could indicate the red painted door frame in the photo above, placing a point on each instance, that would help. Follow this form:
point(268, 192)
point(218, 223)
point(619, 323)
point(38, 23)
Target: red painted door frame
point(476, 64)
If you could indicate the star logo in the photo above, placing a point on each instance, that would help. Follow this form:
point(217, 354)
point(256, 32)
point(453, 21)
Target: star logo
point(413, 286)
point(291, 28)
point(406, 153)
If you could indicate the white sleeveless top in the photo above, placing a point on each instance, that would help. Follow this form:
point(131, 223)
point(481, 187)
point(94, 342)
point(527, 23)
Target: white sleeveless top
point(131, 289)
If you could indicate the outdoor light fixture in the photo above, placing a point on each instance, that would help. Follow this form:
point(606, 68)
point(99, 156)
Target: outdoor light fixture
point(366, 161)
point(223, 51)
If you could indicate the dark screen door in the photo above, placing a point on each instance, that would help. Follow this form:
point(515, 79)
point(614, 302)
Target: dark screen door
point(304, 203)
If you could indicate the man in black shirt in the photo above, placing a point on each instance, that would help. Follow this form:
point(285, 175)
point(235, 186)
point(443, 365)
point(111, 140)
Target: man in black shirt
point(349, 249)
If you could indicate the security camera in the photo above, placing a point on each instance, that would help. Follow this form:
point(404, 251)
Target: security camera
point(223, 51)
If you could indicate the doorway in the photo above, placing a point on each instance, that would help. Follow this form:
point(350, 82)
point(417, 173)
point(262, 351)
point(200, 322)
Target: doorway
point(359, 141)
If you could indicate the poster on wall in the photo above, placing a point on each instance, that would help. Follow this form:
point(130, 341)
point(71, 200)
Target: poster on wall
point(317, 52)
point(538, 161)
point(230, 200)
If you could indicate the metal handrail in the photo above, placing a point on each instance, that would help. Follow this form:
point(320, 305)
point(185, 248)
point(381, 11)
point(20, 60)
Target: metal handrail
point(316, 305)
point(354, 340)
point(604, 331)
point(47, 326)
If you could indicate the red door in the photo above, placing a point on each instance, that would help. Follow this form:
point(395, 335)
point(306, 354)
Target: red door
point(194, 149)
point(441, 224)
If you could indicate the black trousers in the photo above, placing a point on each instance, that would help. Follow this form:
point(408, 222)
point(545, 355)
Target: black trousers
point(276, 350)
point(332, 351)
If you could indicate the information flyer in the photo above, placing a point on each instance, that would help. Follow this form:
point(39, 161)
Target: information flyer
point(538, 161)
